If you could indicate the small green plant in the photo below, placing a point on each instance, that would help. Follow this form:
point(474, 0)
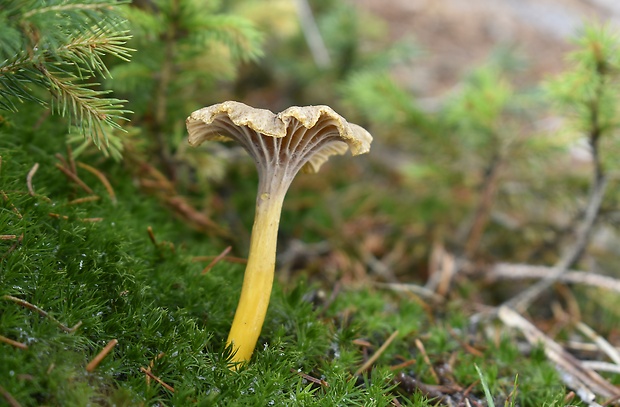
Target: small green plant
point(60, 47)
point(485, 387)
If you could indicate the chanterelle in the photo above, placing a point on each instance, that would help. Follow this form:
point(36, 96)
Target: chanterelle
point(298, 138)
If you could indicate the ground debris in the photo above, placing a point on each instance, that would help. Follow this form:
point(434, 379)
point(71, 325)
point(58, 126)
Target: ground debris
point(451, 395)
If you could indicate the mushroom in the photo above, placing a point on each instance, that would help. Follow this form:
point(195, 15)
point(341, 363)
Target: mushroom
point(298, 138)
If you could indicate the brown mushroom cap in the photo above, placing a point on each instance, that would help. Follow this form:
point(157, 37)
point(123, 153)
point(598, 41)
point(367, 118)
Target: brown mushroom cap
point(296, 138)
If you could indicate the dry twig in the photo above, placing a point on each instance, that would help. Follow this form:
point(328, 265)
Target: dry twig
point(78, 201)
point(9, 398)
point(41, 312)
point(522, 301)
point(600, 342)
point(13, 343)
point(413, 289)
point(102, 178)
point(309, 378)
point(230, 259)
point(157, 379)
point(104, 352)
point(31, 173)
point(584, 381)
point(217, 259)
point(151, 364)
point(73, 177)
point(376, 355)
point(13, 208)
point(312, 34)
point(427, 360)
point(508, 271)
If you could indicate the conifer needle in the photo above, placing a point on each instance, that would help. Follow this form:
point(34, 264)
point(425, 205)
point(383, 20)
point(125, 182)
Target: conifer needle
point(101, 355)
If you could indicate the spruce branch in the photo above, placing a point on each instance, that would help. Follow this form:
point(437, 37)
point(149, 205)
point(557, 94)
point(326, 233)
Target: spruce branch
point(60, 47)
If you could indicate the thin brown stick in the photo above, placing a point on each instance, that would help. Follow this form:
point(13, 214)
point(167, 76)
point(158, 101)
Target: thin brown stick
point(578, 377)
point(13, 208)
point(601, 342)
point(63, 161)
point(427, 360)
point(468, 348)
point(102, 178)
point(403, 365)
point(157, 379)
point(8, 237)
point(230, 259)
point(522, 301)
point(73, 177)
point(483, 210)
point(13, 343)
point(78, 201)
point(151, 364)
point(216, 259)
point(9, 398)
point(310, 378)
point(41, 312)
point(104, 352)
point(197, 219)
point(413, 289)
point(71, 160)
point(376, 355)
point(29, 177)
point(13, 246)
point(149, 230)
point(91, 220)
point(506, 271)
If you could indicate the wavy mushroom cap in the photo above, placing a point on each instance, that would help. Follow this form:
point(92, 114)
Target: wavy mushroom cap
point(296, 138)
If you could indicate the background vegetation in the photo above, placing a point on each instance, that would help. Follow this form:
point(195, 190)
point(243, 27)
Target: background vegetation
point(470, 259)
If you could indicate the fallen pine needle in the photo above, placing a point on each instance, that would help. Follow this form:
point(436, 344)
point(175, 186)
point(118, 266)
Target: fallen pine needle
point(427, 360)
point(403, 365)
point(151, 364)
point(104, 352)
point(600, 342)
point(64, 217)
point(230, 259)
point(149, 230)
point(31, 173)
point(6, 199)
point(376, 355)
point(102, 178)
point(9, 399)
point(586, 383)
point(13, 343)
point(41, 312)
point(157, 379)
point(310, 378)
point(90, 198)
point(75, 178)
point(217, 259)
point(91, 220)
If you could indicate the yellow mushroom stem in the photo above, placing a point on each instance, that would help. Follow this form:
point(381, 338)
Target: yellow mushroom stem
point(258, 278)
